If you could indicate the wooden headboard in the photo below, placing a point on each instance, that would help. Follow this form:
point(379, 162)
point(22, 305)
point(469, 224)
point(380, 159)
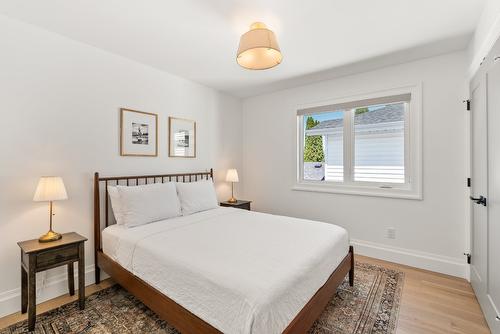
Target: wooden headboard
point(131, 181)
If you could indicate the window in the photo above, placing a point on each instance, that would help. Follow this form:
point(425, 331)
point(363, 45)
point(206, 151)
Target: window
point(361, 147)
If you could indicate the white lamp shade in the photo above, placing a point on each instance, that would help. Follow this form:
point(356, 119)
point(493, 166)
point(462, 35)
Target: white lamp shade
point(50, 188)
point(232, 175)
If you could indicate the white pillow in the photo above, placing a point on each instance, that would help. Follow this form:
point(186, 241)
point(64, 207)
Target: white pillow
point(196, 196)
point(114, 197)
point(138, 205)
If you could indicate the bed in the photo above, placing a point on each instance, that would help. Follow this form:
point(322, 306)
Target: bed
point(223, 270)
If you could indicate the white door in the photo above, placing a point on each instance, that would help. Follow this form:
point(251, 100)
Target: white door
point(493, 290)
point(485, 264)
point(479, 185)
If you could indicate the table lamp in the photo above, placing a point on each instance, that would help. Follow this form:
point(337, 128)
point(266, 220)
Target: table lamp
point(49, 189)
point(232, 176)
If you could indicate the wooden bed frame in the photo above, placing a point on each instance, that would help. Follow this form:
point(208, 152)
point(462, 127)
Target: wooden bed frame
point(176, 315)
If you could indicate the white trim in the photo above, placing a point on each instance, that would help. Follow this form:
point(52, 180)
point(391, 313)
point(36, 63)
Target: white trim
point(358, 103)
point(299, 167)
point(349, 189)
point(468, 169)
point(54, 286)
point(413, 156)
point(363, 95)
point(414, 258)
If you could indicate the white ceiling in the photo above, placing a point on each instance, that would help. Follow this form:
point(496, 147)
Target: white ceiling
point(197, 39)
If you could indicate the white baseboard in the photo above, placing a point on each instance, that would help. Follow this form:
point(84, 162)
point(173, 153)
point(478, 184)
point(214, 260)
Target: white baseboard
point(52, 287)
point(418, 259)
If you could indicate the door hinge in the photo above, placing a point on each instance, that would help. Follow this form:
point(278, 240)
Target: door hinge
point(468, 182)
point(468, 257)
point(468, 104)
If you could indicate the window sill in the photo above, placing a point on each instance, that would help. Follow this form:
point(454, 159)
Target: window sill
point(359, 190)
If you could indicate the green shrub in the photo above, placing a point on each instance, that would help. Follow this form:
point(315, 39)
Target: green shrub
point(313, 146)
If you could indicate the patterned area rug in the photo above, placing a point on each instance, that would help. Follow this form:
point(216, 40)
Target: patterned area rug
point(371, 306)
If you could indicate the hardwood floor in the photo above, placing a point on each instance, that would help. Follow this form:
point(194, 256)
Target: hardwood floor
point(431, 303)
point(53, 303)
point(435, 303)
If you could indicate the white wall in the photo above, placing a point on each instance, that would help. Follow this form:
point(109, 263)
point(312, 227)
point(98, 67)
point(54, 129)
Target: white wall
point(486, 34)
point(430, 233)
point(60, 103)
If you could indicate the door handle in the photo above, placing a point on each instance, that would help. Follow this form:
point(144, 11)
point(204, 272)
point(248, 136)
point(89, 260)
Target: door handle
point(481, 200)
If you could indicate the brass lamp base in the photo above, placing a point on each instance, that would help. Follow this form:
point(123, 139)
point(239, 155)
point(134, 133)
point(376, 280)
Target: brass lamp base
point(50, 236)
point(232, 200)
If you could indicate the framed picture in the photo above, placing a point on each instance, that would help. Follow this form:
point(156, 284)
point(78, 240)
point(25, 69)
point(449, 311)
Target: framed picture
point(138, 133)
point(182, 138)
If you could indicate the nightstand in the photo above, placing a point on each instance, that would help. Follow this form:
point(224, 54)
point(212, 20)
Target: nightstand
point(240, 204)
point(37, 256)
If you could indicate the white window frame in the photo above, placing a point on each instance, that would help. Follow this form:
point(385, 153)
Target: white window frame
point(411, 189)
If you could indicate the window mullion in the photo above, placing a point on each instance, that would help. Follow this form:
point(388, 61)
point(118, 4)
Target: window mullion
point(407, 165)
point(348, 145)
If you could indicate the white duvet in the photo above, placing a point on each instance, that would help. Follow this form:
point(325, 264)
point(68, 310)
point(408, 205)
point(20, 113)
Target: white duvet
point(241, 271)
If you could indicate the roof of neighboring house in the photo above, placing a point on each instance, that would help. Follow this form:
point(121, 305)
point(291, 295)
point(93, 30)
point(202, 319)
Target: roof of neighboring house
point(388, 114)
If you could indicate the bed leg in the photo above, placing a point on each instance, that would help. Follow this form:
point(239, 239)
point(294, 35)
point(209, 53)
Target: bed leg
point(351, 271)
point(97, 275)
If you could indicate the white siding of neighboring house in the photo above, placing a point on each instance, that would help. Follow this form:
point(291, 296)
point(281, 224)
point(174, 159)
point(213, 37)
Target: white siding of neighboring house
point(379, 157)
point(334, 158)
point(378, 152)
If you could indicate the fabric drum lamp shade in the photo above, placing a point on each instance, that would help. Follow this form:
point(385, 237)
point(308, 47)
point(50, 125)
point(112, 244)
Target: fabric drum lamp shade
point(49, 189)
point(258, 49)
point(232, 176)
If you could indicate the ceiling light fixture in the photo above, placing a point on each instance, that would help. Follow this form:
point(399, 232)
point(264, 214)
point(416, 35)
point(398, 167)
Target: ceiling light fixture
point(259, 49)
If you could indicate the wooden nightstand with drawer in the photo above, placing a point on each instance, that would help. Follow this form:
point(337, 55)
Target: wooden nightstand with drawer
point(240, 204)
point(37, 256)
